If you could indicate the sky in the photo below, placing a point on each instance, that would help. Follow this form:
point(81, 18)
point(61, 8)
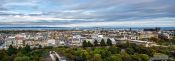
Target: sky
point(87, 13)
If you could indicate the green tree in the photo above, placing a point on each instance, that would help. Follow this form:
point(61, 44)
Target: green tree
point(36, 54)
point(130, 51)
point(3, 55)
point(11, 50)
point(26, 49)
point(113, 49)
point(174, 37)
point(135, 57)
point(86, 55)
point(109, 42)
point(98, 50)
point(116, 57)
point(40, 46)
point(125, 56)
point(24, 58)
point(123, 45)
point(95, 43)
point(85, 44)
point(148, 51)
point(102, 43)
point(105, 53)
point(144, 57)
point(154, 39)
point(97, 57)
point(89, 44)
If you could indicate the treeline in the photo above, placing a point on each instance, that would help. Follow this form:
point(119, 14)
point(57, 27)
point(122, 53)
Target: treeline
point(110, 53)
point(96, 43)
point(22, 54)
point(106, 51)
point(163, 40)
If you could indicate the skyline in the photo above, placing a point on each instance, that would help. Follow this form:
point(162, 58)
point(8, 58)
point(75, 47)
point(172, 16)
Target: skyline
point(87, 13)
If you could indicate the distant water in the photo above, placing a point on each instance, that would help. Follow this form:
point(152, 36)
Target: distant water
point(35, 28)
point(79, 28)
point(167, 28)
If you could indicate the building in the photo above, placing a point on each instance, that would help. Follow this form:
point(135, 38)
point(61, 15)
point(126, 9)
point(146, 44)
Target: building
point(10, 41)
point(148, 34)
point(145, 43)
point(51, 42)
point(20, 40)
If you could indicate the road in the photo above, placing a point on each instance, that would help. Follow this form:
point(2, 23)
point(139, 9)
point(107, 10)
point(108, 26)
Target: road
point(56, 57)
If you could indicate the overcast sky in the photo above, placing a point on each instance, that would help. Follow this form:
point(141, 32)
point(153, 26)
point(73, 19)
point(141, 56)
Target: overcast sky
point(78, 13)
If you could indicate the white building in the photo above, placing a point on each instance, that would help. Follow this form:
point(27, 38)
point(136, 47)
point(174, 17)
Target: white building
point(10, 41)
point(51, 42)
point(145, 43)
point(77, 40)
point(61, 43)
point(113, 40)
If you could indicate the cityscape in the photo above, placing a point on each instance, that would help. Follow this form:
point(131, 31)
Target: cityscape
point(80, 45)
point(87, 30)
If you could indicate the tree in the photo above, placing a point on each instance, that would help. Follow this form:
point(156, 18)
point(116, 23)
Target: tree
point(11, 50)
point(95, 43)
point(123, 45)
point(116, 57)
point(113, 49)
point(97, 57)
point(24, 58)
point(36, 54)
point(3, 55)
point(89, 44)
point(27, 48)
point(102, 43)
point(148, 51)
point(154, 39)
point(174, 37)
point(40, 46)
point(86, 55)
point(130, 51)
point(135, 57)
point(125, 56)
point(109, 42)
point(144, 57)
point(85, 43)
point(105, 53)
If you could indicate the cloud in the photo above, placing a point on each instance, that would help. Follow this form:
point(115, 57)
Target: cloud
point(19, 18)
point(159, 22)
point(78, 13)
